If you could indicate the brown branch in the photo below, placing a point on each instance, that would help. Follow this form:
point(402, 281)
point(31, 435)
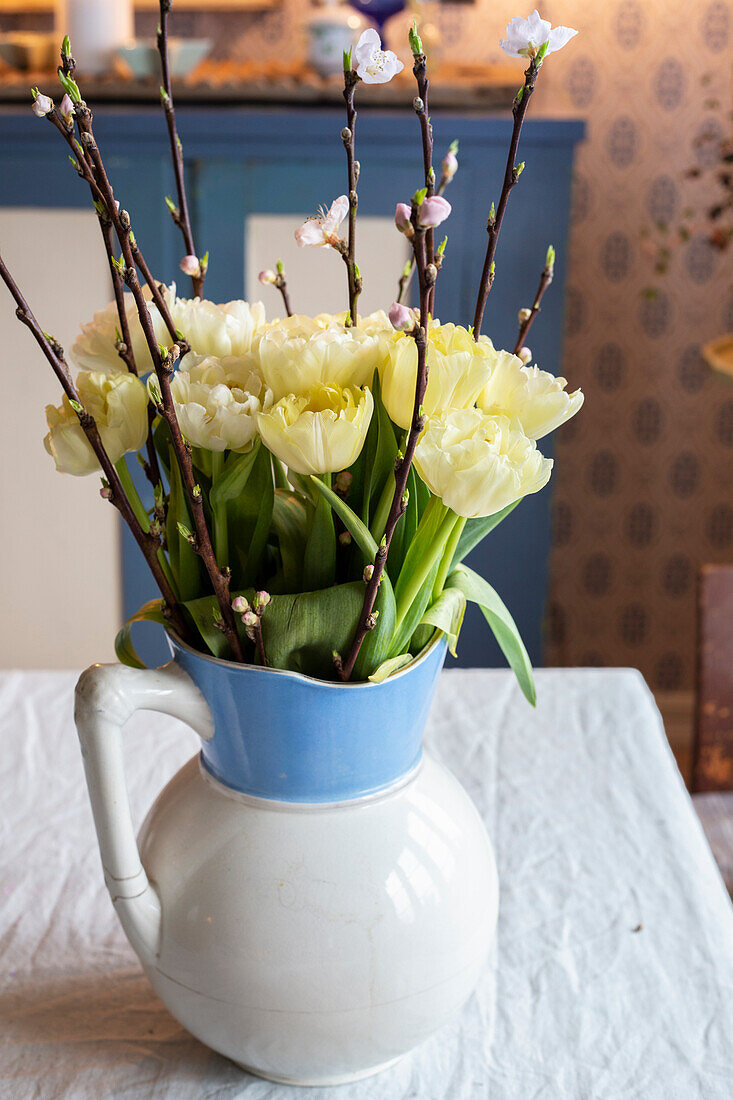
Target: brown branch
point(367, 620)
point(282, 286)
point(148, 543)
point(420, 104)
point(164, 367)
point(85, 171)
point(347, 136)
point(180, 214)
point(511, 175)
point(545, 279)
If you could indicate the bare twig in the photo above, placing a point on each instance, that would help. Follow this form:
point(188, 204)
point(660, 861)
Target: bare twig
point(426, 272)
point(420, 104)
point(164, 364)
point(511, 175)
point(528, 315)
point(148, 542)
point(179, 213)
point(347, 136)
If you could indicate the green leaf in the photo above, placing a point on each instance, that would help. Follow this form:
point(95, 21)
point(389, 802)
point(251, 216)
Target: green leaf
point(300, 631)
point(359, 532)
point(479, 591)
point(151, 612)
point(380, 451)
point(422, 549)
point(411, 620)
point(233, 479)
point(390, 666)
point(477, 529)
point(319, 559)
point(291, 518)
point(447, 615)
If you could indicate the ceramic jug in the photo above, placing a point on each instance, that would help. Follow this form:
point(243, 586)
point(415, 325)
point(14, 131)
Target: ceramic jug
point(312, 895)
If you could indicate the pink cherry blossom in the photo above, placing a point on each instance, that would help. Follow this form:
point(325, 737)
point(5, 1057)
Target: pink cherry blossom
point(402, 216)
point(433, 211)
point(449, 167)
point(401, 317)
point(190, 266)
point(321, 230)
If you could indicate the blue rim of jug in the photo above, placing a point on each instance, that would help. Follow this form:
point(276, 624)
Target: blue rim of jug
point(437, 638)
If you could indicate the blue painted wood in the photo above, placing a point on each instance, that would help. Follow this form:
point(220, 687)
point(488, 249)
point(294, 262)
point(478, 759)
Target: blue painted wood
point(241, 162)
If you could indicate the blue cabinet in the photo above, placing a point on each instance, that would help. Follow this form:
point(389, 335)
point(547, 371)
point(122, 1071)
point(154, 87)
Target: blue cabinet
point(246, 161)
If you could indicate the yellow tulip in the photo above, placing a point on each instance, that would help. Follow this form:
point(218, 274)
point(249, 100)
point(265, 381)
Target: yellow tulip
point(320, 433)
point(119, 405)
point(536, 398)
point(458, 369)
point(217, 401)
point(298, 353)
point(478, 463)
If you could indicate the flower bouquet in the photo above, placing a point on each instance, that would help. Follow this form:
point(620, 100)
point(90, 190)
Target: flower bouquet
point(315, 485)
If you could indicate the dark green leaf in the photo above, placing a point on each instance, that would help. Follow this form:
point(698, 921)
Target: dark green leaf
point(319, 559)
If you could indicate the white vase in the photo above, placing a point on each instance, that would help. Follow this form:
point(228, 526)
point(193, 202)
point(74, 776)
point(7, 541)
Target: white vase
point(97, 28)
point(319, 930)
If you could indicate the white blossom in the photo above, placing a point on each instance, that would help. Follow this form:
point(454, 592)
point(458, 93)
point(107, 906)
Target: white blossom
point(373, 64)
point(525, 37)
point(321, 230)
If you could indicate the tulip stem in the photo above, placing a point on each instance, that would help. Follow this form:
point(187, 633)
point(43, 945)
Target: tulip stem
point(148, 543)
point(179, 213)
point(545, 279)
point(448, 555)
point(349, 253)
point(219, 513)
point(511, 175)
point(132, 494)
point(435, 550)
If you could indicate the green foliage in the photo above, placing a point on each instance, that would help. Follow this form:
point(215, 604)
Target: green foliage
point(479, 591)
point(151, 612)
point(300, 630)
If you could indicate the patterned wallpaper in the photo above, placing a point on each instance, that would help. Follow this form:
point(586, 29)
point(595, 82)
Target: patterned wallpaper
point(643, 484)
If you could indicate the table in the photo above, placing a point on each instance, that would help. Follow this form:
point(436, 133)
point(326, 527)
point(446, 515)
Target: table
point(613, 971)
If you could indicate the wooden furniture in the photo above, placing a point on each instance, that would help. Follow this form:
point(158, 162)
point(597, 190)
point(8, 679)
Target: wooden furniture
point(712, 768)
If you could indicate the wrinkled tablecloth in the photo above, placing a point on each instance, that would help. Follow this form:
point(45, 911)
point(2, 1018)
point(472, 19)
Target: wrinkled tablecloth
point(612, 975)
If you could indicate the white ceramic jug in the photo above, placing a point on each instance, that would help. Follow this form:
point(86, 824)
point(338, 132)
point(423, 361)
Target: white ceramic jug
point(312, 896)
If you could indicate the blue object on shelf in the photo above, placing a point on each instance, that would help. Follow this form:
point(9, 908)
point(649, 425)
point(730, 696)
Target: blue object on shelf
point(379, 11)
point(245, 161)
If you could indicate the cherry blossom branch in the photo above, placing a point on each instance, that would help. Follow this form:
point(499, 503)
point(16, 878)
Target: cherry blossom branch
point(367, 619)
point(180, 212)
point(164, 365)
point(527, 316)
point(148, 542)
point(347, 136)
point(65, 126)
point(420, 105)
point(511, 174)
point(277, 279)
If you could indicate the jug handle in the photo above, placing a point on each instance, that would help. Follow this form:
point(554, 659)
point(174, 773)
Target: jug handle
point(106, 696)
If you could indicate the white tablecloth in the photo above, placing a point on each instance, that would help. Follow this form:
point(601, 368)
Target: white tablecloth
point(613, 970)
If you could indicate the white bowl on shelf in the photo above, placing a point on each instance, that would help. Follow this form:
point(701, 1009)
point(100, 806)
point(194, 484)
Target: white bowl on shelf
point(184, 54)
